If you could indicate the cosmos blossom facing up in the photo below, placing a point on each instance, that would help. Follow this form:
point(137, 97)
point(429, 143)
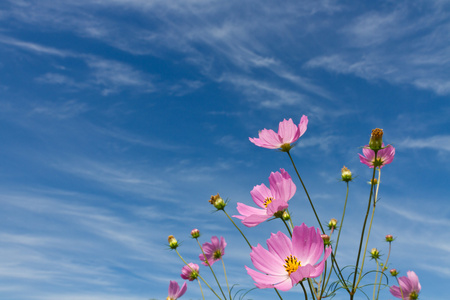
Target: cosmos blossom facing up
point(270, 201)
point(174, 290)
point(190, 272)
point(384, 156)
point(287, 262)
point(288, 133)
point(213, 251)
point(409, 287)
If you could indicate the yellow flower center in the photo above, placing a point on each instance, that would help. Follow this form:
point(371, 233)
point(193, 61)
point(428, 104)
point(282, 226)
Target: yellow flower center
point(268, 201)
point(217, 254)
point(291, 264)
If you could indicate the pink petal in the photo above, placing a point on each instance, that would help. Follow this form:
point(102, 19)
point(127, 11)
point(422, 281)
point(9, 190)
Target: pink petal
point(307, 244)
point(281, 185)
point(173, 288)
point(267, 262)
point(182, 290)
point(260, 193)
point(264, 281)
point(288, 131)
point(246, 211)
point(267, 139)
point(395, 291)
point(414, 280)
point(280, 245)
point(303, 125)
point(276, 206)
point(253, 220)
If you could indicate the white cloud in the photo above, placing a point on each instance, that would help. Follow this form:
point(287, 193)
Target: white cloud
point(439, 143)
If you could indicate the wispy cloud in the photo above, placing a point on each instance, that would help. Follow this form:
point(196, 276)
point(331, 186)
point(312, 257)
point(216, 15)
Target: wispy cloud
point(439, 143)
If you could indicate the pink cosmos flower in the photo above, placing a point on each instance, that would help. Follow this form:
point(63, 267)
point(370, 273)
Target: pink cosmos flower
point(213, 251)
point(190, 272)
point(270, 201)
point(384, 156)
point(174, 290)
point(410, 287)
point(288, 262)
point(287, 134)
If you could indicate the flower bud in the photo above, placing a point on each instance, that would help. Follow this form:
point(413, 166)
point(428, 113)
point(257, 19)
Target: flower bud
point(375, 181)
point(195, 233)
point(389, 238)
point(346, 174)
point(394, 272)
point(286, 216)
point(374, 253)
point(326, 239)
point(376, 139)
point(332, 224)
point(217, 202)
point(173, 243)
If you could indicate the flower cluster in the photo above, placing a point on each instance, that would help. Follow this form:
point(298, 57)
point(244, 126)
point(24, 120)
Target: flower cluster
point(303, 255)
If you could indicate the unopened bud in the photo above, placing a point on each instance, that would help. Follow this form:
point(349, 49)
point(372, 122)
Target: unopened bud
point(286, 216)
point(217, 202)
point(389, 238)
point(326, 239)
point(376, 139)
point(195, 233)
point(332, 224)
point(375, 181)
point(393, 272)
point(374, 253)
point(173, 243)
point(346, 174)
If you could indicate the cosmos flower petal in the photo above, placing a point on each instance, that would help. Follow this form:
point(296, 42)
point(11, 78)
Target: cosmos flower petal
point(254, 220)
point(307, 244)
point(280, 245)
point(303, 125)
point(288, 131)
point(267, 262)
point(281, 185)
point(260, 193)
point(264, 281)
point(408, 285)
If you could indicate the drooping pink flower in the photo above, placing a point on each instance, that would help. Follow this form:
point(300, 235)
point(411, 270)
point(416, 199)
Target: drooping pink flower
point(410, 287)
point(174, 290)
point(287, 261)
point(384, 156)
point(288, 133)
point(190, 272)
point(213, 251)
point(270, 201)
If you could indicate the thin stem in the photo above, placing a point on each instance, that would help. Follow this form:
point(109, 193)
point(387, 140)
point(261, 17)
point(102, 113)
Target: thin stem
point(304, 290)
point(287, 227)
point(376, 279)
point(311, 288)
point(385, 267)
point(238, 229)
point(362, 233)
point(201, 290)
point(278, 294)
point(370, 225)
point(399, 285)
point(342, 221)
point(338, 272)
point(198, 275)
point(212, 271)
point(248, 243)
point(306, 191)
point(226, 279)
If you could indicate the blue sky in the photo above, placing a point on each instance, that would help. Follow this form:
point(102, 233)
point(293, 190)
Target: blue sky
point(120, 118)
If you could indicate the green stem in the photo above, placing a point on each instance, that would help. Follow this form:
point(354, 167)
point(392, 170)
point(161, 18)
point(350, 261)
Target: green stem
point(334, 262)
point(342, 221)
point(362, 233)
point(311, 288)
point(226, 279)
point(304, 290)
point(287, 227)
point(399, 285)
point(370, 226)
point(212, 271)
point(376, 279)
point(238, 229)
point(385, 267)
point(201, 290)
point(307, 195)
point(278, 293)
point(198, 275)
